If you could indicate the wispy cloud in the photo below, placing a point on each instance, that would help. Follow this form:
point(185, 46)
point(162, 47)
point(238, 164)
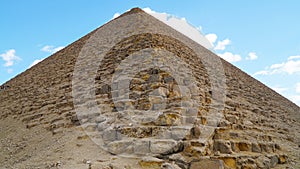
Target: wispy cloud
point(252, 56)
point(294, 57)
point(51, 49)
point(230, 57)
point(35, 62)
point(212, 38)
point(116, 15)
point(221, 45)
point(10, 57)
point(291, 66)
point(181, 25)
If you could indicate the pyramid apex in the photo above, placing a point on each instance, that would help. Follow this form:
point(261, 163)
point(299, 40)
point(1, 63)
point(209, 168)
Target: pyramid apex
point(136, 10)
point(132, 11)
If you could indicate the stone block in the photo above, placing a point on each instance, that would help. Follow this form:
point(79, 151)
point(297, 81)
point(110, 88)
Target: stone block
point(168, 119)
point(100, 119)
point(273, 160)
point(102, 126)
point(156, 99)
point(109, 135)
point(161, 91)
point(192, 112)
point(151, 163)
point(162, 146)
point(263, 162)
point(159, 106)
point(229, 162)
point(244, 146)
point(141, 147)
point(178, 133)
point(232, 119)
point(267, 147)
point(207, 164)
point(256, 148)
point(282, 159)
point(223, 146)
point(120, 147)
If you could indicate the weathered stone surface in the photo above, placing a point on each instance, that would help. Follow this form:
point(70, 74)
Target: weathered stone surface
point(229, 162)
point(223, 146)
point(256, 148)
point(282, 159)
point(242, 129)
point(263, 162)
point(178, 133)
point(170, 166)
point(207, 164)
point(273, 160)
point(151, 163)
point(119, 147)
point(141, 147)
point(244, 146)
point(162, 146)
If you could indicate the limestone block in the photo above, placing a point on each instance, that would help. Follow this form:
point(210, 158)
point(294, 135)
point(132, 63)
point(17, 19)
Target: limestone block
point(256, 148)
point(170, 166)
point(207, 164)
point(229, 162)
point(151, 163)
point(120, 147)
point(178, 133)
point(273, 160)
point(102, 126)
point(244, 146)
point(192, 112)
point(267, 147)
point(141, 147)
point(159, 106)
point(109, 135)
point(156, 99)
point(282, 159)
point(232, 119)
point(168, 119)
point(162, 146)
point(100, 119)
point(223, 146)
point(263, 162)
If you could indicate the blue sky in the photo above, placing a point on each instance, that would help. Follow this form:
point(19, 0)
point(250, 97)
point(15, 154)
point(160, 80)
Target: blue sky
point(261, 37)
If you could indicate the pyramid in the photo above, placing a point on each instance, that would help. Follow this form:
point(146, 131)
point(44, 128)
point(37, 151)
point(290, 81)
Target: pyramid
point(136, 93)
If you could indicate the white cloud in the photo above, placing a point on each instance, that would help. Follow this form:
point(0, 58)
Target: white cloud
point(291, 66)
point(230, 57)
point(116, 15)
point(35, 62)
point(10, 57)
point(182, 26)
point(298, 87)
point(221, 45)
point(252, 56)
point(294, 57)
point(51, 49)
point(262, 72)
point(212, 38)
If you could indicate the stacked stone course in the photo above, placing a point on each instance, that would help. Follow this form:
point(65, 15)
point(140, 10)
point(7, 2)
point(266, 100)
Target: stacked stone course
point(260, 128)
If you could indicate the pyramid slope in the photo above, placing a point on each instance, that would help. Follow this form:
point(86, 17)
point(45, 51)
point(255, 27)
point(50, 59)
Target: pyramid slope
point(41, 126)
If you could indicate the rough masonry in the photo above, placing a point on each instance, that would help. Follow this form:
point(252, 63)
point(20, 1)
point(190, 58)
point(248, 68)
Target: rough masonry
point(167, 113)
